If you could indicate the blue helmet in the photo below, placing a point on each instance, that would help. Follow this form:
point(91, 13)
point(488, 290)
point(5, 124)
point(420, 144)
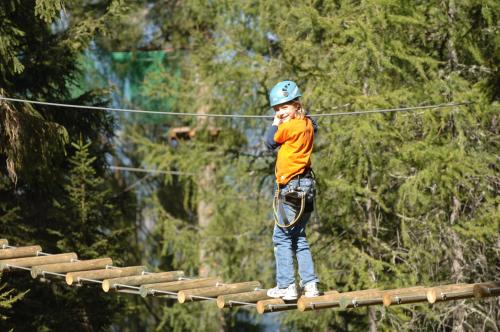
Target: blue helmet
point(283, 92)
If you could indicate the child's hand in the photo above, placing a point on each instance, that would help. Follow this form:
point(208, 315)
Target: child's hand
point(277, 120)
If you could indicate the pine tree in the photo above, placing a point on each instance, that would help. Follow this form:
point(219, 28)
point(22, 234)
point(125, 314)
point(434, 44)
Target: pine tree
point(99, 227)
point(365, 166)
point(405, 199)
point(40, 44)
point(387, 182)
point(7, 298)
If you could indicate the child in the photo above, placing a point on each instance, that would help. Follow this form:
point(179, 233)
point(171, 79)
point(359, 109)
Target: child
point(293, 132)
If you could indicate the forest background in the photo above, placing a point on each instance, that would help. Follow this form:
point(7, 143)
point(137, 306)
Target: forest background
point(404, 199)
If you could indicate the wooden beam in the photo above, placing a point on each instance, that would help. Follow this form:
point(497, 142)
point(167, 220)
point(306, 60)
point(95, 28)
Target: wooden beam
point(72, 277)
point(362, 301)
point(85, 265)
point(318, 302)
point(32, 261)
point(273, 305)
point(109, 284)
point(176, 286)
point(450, 292)
point(486, 289)
point(225, 301)
point(190, 294)
point(361, 298)
point(3, 243)
point(331, 299)
point(405, 295)
point(19, 252)
point(180, 133)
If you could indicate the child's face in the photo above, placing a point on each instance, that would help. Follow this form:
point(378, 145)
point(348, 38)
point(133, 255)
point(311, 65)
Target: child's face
point(286, 111)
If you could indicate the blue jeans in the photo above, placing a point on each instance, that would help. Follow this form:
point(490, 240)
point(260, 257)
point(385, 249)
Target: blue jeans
point(290, 241)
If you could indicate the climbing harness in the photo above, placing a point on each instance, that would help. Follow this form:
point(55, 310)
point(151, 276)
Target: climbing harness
point(295, 196)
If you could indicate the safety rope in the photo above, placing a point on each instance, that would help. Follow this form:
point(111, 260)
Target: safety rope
point(400, 109)
point(154, 171)
point(297, 216)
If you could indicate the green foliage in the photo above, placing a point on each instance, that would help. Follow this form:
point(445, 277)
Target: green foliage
point(7, 298)
point(37, 62)
point(48, 10)
point(54, 194)
point(404, 199)
point(97, 226)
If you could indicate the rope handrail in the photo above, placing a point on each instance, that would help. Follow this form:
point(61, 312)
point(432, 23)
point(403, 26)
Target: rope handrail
point(144, 170)
point(214, 115)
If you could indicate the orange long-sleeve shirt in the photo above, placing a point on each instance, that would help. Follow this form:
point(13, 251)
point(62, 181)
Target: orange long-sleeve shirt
point(294, 156)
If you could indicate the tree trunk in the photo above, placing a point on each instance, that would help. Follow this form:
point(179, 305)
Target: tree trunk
point(205, 212)
point(458, 276)
point(457, 249)
point(372, 317)
point(452, 52)
point(457, 267)
point(372, 311)
point(206, 183)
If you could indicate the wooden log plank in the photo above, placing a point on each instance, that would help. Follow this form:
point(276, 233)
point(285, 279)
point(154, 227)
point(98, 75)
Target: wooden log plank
point(274, 305)
point(109, 284)
point(357, 298)
point(434, 292)
point(331, 299)
point(450, 292)
point(486, 289)
point(225, 301)
point(32, 261)
point(361, 298)
point(362, 292)
point(318, 302)
point(28, 251)
point(405, 295)
point(3, 243)
point(72, 277)
point(190, 294)
point(84, 265)
point(176, 286)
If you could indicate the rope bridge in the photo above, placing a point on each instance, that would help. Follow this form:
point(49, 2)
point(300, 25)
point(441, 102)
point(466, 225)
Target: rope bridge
point(249, 294)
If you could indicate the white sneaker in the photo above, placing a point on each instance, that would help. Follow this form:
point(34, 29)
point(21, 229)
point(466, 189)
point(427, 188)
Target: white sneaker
point(311, 289)
point(287, 294)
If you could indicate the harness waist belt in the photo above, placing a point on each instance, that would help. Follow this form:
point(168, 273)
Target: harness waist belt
point(307, 174)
